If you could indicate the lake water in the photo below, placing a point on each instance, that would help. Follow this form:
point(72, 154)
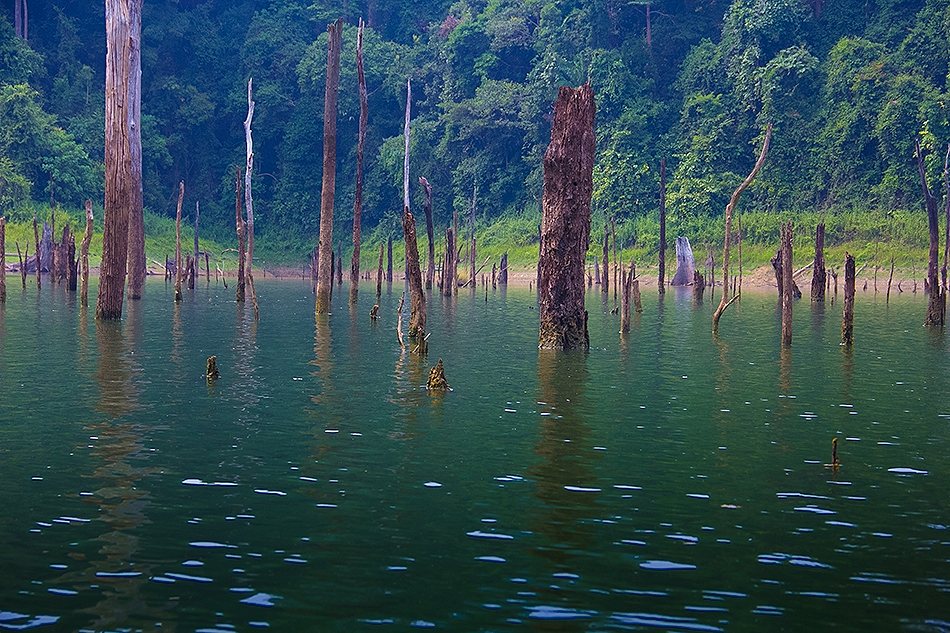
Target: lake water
point(671, 481)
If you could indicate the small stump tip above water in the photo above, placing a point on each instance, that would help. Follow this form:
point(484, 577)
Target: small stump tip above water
point(437, 381)
point(212, 372)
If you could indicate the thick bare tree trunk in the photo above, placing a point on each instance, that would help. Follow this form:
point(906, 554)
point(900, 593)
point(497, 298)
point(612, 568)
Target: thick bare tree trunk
point(249, 200)
point(339, 265)
point(847, 319)
point(788, 297)
point(935, 304)
point(448, 268)
point(430, 232)
point(136, 257)
point(565, 220)
point(324, 268)
point(3, 259)
point(179, 264)
point(625, 296)
point(605, 277)
point(84, 256)
point(503, 270)
point(417, 298)
point(26, 20)
point(661, 279)
point(725, 301)
point(71, 277)
point(946, 212)
point(818, 276)
point(613, 240)
point(389, 259)
point(361, 141)
point(379, 274)
point(240, 228)
point(123, 145)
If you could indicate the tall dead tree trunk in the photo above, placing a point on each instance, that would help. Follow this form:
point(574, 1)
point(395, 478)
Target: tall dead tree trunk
point(123, 143)
point(430, 232)
point(847, 319)
point(503, 271)
point(39, 258)
point(725, 301)
point(818, 276)
point(379, 274)
point(448, 268)
point(605, 277)
point(788, 297)
point(71, 278)
point(136, 258)
point(417, 298)
point(84, 257)
point(661, 278)
point(946, 212)
point(3, 259)
point(565, 221)
point(613, 240)
point(324, 266)
point(471, 251)
point(241, 229)
point(194, 271)
point(249, 200)
point(179, 264)
point(360, 142)
point(935, 303)
point(18, 18)
point(389, 260)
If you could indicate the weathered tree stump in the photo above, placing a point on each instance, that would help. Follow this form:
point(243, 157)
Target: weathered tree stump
point(212, 373)
point(847, 320)
point(565, 229)
point(685, 263)
point(374, 312)
point(787, 284)
point(437, 381)
point(936, 302)
point(379, 274)
point(818, 279)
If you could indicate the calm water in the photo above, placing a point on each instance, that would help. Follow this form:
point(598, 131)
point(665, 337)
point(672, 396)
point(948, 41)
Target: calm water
point(672, 481)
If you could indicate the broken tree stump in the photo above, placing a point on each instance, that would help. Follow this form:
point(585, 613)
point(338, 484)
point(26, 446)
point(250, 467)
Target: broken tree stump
point(565, 228)
point(818, 279)
point(437, 381)
point(847, 320)
point(212, 372)
point(787, 284)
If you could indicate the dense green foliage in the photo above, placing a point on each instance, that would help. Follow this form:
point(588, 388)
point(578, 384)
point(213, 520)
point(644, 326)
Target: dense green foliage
point(847, 85)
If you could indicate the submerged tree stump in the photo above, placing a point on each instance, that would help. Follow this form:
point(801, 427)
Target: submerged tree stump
point(437, 381)
point(847, 320)
point(787, 284)
point(819, 276)
point(565, 228)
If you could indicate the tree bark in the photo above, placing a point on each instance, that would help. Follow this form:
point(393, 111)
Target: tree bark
point(565, 223)
point(389, 259)
point(39, 259)
point(503, 270)
point(194, 271)
point(240, 228)
point(379, 274)
point(324, 269)
point(417, 299)
point(179, 264)
point(123, 143)
point(946, 212)
point(430, 232)
point(890, 279)
point(18, 18)
point(605, 277)
point(471, 250)
point(360, 143)
point(84, 256)
point(733, 201)
point(71, 271)
point(661, 279)
point(847, 319)
point(935, 303)
point(249, 200)
point(818, 276)
point(3, 259)
point(448, 268)
point(787, 283)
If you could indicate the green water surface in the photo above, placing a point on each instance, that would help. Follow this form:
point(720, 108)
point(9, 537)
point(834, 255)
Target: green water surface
point(669, 481)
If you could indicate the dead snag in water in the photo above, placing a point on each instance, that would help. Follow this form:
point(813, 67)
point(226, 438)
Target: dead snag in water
point(448, 268)
point(249, 201)
point(935, 304)
point(699, 286)
point(379, 274)
point(890, 278)
point(193, 270)
point(661, 278)
point(389, 259)
point(503, 270)
point(613, 239)
point(818, 278)
point(240, 227)
point(211, 372)
point(324, 266)
point(437, 381)
point(471, 250)
point(596, 270)
point(568, 185)
point(605, 277)
point(374, 312)
point(71, 271)
point(3, 259)
point(946, 211)
point(626, 280)
point(847, 320)
point(417, 297)
point(339, 265)
point(123, 150)
point(787, 284)
point(360, 142)
point(430, 232)
point(39, 259)
point(402, 301)
point(179, 264)
point(725, 301)
point(635, 288)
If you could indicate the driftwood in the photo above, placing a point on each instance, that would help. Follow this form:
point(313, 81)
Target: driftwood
point(324, 266)
point(847, 319)
point(360, 142)
point(123, 149)
point(565, 231)
point(725, 300)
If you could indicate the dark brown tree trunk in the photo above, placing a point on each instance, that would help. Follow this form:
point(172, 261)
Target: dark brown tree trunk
point(613, 240)
point(324, 266)
point(123, 143)
point(890, 278)
point(249, 200)
point(818, 276)
point(22, 258)
point(725, 301)
point(661, 279)
point(72, 273)
point(84, 256)
point(417, 298)
point(787, 282)
point(339, 265)
point(379, 274)
point(195, 257)
point(565, 228)
point(946, 212)
point(448, 268)
point(596, 270)
point(39, 258)
point(389, 260)
point(605, 277)
point(935, 303)
point(503, 271)
point(3, 259)
point(847, 320)
point(240, 228)
point(430, 232)
point(361, 141)
point(179, 263)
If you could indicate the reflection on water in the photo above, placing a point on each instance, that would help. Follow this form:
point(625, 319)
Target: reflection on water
point(670, 480)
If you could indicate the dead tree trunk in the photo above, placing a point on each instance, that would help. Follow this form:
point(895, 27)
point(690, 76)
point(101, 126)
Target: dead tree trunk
point(389, 260)
point(596, 270)
point(3, 259)
point(71, 281)
point(946, 212)
point(39, 259)
point(503, 270)
point(739, 243)
point(194, 272)
point(565, 228)
point(725, 301)
point(136, 257)
point(787, 282)
point(249, 200)
point(360, 142)
point(241, 229)
point(818, 277)
point(625, 302)
point(22, 259)
point(417, 299)
point(339, 265)
point(847, 320)
point(84, 256)
point(661, 279)
point(605, 277)
point(635, 288)
point(430, 232)
point(379, 275)
point(178, 261)
point(890, 278)
point(324, 268)
point(448, 267)
point(613, 239)
point(935, 303)
point(123, 143)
